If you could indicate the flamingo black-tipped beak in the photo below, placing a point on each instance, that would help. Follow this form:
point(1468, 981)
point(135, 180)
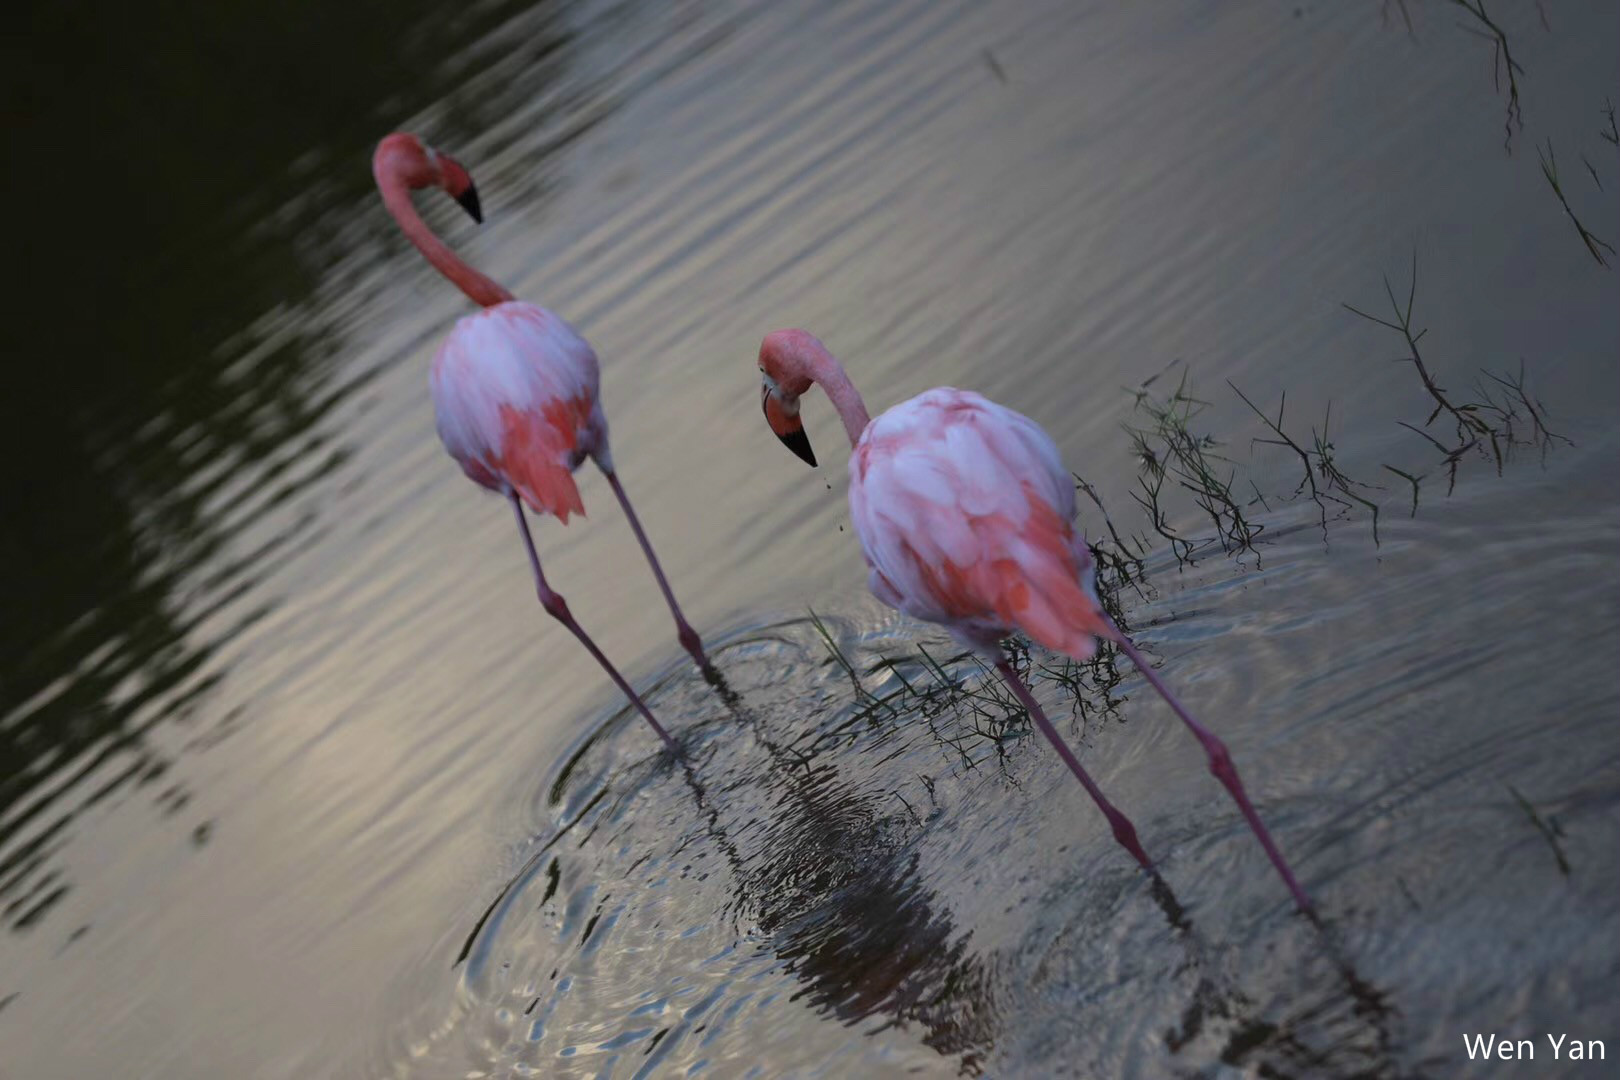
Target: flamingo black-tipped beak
point(786, 425)
point(469, 202)
point(797, 442)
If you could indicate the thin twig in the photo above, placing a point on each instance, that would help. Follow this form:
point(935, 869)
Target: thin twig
point(1549, 169)
point(1549, 832)
point(1410, 479)
point(1501, 61)
point(1490, 421)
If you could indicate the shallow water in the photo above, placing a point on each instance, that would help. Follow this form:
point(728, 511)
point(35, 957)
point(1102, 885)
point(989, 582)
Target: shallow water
point(299, 780)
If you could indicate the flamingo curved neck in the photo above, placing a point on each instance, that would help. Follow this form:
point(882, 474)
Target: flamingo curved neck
point(829, 374)
point(397, 197)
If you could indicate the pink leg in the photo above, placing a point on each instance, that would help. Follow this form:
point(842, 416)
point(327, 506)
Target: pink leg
point(558, 608)
point(1220, 763)
point(683, 629)
point(1124, 831)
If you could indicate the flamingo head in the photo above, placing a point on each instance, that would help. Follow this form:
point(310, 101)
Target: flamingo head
point(418, 165)
point(784, 366)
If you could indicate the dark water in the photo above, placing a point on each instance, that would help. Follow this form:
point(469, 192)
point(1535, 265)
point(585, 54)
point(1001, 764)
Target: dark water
point(298, 780)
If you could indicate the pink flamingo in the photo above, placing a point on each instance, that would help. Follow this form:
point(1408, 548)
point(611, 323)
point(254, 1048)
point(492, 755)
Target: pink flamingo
point(964, 512)
point(514, 390)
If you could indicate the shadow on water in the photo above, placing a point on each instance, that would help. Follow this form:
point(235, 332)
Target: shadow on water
point(833, 885)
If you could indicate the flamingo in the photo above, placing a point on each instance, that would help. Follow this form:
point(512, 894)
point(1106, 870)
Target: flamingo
point(515, 391)
point(965, 516)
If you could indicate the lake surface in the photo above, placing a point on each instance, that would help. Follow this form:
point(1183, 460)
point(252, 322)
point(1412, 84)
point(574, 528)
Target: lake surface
point(298, 779)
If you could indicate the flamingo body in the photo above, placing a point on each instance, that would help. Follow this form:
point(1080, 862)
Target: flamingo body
point(515, 396)
point(515, 392)
point(965, 516)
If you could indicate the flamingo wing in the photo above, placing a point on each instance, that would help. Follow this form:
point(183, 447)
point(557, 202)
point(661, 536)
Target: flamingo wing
point(515, 398)
point(965, 515)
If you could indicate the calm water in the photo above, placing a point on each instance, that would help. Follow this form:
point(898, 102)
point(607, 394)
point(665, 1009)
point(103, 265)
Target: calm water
point(299, 781)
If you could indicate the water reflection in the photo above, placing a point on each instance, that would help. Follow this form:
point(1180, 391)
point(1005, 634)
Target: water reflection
point(825, 873)
point(833, 884)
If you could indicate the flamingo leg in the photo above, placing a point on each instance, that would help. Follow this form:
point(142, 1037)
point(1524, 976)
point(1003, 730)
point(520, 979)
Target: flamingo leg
point(683, 630)
point(1124, 831)
point(557, 607)
point(1220, 764)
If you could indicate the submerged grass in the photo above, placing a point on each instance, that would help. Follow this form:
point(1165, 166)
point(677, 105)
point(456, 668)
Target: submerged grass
point(1315, 462)
point(1548, 828)
point(1549, 169)
point(1505, 74)
point(962, 700)
point(1168, 450)
point(1494, 422)
point(1502, 63)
